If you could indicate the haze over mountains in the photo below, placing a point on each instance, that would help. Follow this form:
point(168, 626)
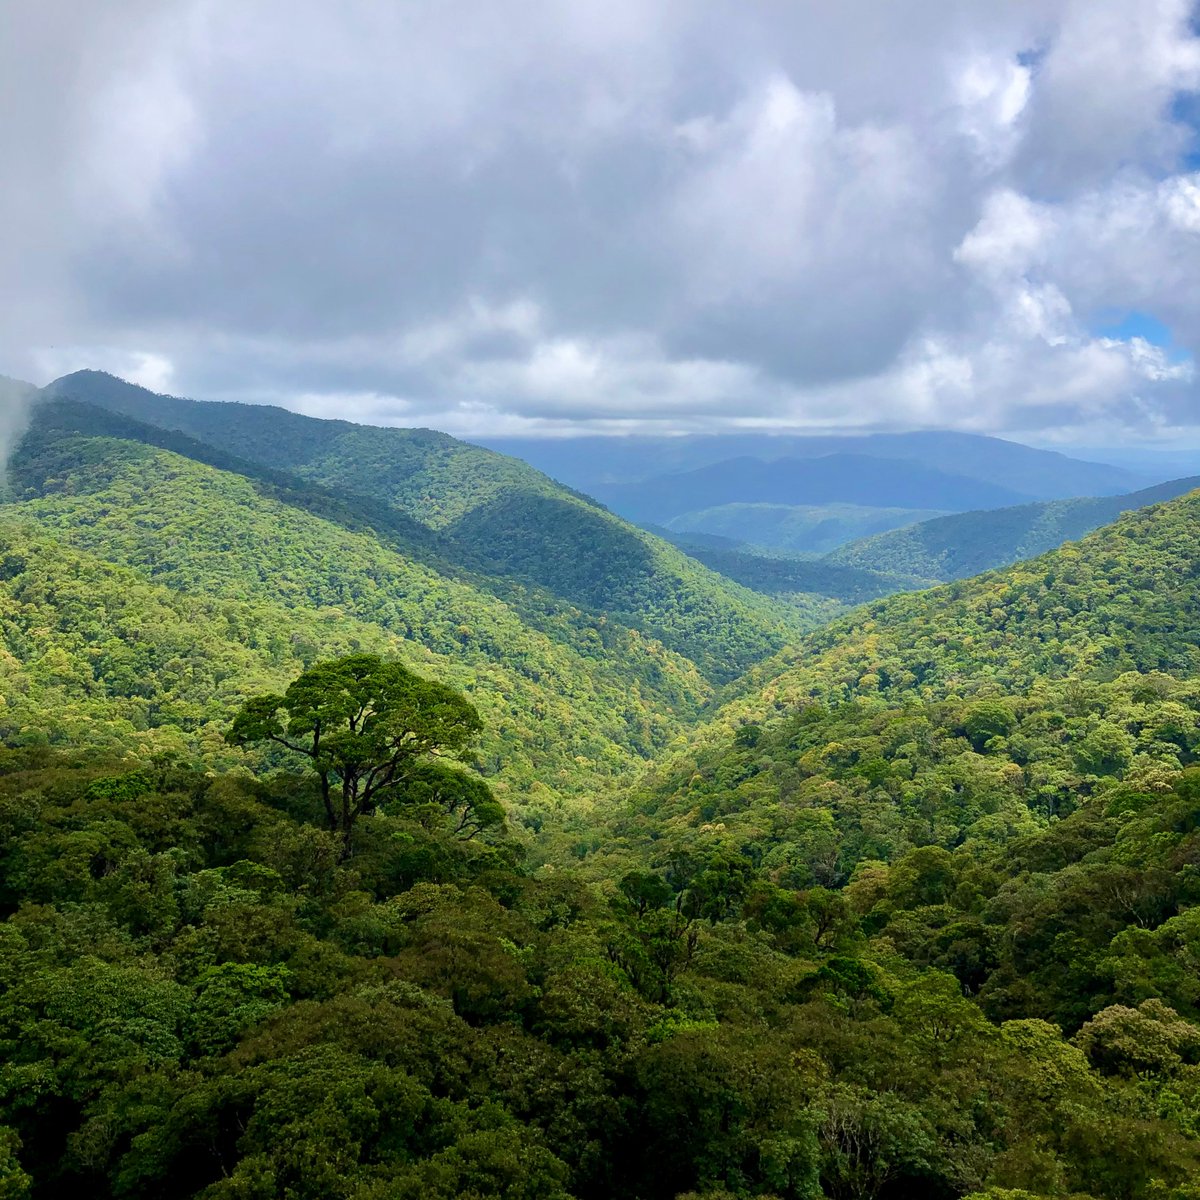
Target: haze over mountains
point(811, 494)
point(587, 462)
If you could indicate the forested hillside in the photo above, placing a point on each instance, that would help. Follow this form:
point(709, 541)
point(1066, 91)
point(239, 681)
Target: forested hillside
point(1124, 598)
point(496, 516)
point(801, 578)
point(913, 915)
point(145, 591)
point(964, 544)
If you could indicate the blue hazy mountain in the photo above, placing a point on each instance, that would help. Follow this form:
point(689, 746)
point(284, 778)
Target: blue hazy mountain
point(1032, 474)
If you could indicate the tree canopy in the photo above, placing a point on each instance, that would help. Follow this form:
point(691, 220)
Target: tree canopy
point(364, 724)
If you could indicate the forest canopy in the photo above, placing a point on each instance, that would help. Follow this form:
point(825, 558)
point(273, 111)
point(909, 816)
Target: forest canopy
point(338, 862)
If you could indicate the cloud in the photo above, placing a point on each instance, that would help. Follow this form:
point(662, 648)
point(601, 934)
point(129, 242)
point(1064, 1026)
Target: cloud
point(610, 215)
point(16, 403)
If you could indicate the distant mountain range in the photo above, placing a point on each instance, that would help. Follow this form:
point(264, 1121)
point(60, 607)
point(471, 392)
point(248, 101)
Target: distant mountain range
point(801, 528)
point(586, 462)
point(813, 493)
point(835, 478)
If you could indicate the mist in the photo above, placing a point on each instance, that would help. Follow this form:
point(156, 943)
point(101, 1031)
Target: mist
point(17, 399)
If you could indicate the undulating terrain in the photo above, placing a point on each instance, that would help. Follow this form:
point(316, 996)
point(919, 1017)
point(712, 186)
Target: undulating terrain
point(670, 888)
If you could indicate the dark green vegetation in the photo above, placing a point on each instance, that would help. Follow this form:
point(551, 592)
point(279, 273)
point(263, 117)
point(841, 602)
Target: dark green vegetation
point(964, 544)
point(913, 917)
point(800, 578)
point(865, 952)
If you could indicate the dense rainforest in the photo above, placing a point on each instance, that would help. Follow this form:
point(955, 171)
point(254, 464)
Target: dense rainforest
point(350, 847)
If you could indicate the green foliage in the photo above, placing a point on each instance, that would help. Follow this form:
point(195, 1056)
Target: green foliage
point(239, 575)
point(964, 544)
point(499, 516)
point(915, 916)
point(365, 725)
point(804, 578)
point(220, 594)
point(1120, 600)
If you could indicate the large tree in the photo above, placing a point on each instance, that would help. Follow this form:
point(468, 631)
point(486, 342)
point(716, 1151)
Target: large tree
point(366, 725)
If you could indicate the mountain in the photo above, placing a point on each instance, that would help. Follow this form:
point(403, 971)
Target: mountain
point(1126, 598)
point(432, 476)
point(1156, 462)
point(492, 514)
point(964, 544)
point(807, 529)
point(835, 478)
point(589, 462)
point(151, 579)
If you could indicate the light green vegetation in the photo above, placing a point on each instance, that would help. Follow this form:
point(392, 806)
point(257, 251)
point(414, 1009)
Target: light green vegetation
point(494, 515)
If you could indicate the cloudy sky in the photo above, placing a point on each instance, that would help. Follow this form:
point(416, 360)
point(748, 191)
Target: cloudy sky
point(614, 214)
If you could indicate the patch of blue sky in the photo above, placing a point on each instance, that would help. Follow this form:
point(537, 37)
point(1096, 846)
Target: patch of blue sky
point(1185, 110)
point(1126, 324)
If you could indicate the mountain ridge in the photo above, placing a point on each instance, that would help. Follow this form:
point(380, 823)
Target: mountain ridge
point(959, 545)
point(833, 478)
point(1037, 472)
point(496, 515)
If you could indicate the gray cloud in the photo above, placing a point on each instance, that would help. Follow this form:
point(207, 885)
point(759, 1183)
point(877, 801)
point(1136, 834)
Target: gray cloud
point(610, 215)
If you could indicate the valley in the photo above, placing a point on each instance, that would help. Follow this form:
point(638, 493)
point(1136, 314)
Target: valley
point(747, 876)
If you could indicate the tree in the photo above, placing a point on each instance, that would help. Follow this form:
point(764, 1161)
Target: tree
point(366, 725)
point(435, 791)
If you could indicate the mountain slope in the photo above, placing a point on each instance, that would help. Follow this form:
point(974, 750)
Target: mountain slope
point(491, 515)
point(1125, 598)
point(129, 544)
point(432, 476)
point(964, 544)
point(803, 577)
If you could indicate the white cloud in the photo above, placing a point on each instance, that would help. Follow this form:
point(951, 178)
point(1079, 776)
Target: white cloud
point(685, 214)
point(146, 368)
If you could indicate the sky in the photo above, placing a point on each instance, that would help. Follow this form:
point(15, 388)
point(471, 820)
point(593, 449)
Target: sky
point(647, 216)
